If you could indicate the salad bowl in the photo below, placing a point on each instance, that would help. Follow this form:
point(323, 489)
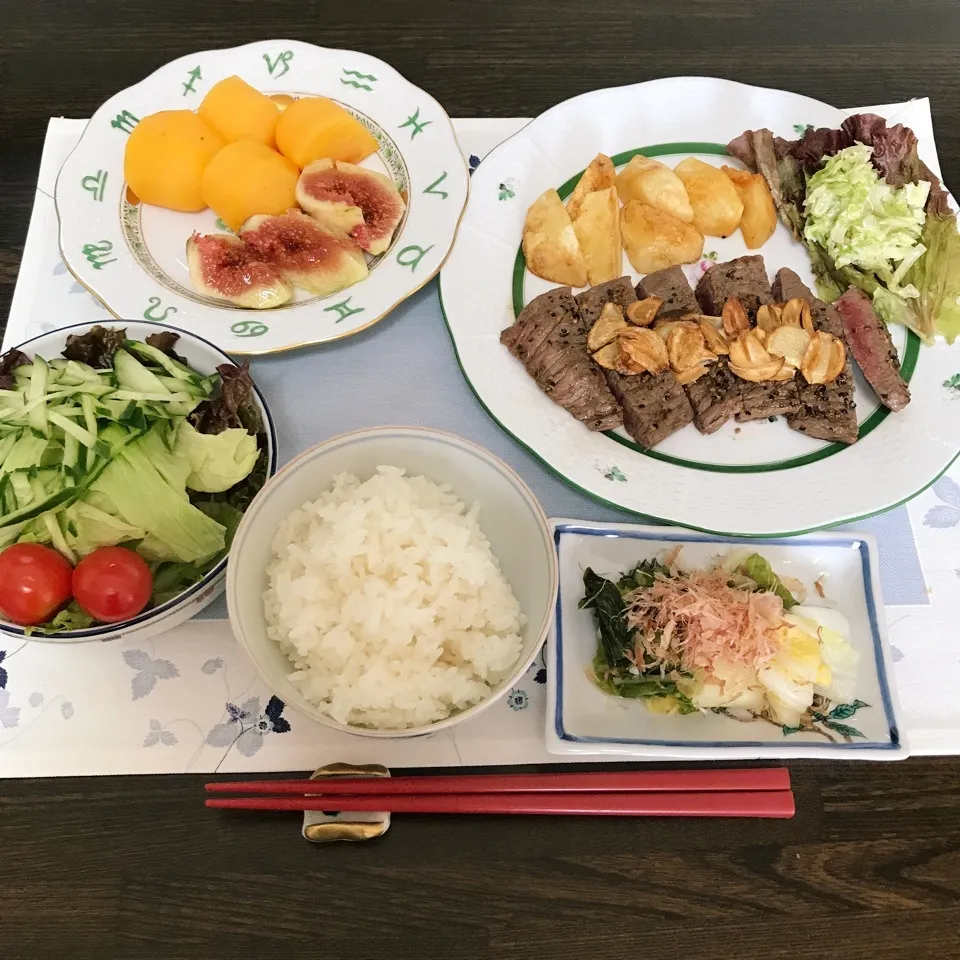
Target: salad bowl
point(204, 358)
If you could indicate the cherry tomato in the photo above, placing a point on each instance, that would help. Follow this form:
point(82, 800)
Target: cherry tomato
point(34, 583)
point(112, 584)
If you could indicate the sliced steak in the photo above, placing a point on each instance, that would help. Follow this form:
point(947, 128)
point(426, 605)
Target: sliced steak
point(550, 340)
point(827, 410)
point(672, 288)
point(872, 348)
point(746, 279)
point(654, 405)
point(715, 397)
point(774, 398)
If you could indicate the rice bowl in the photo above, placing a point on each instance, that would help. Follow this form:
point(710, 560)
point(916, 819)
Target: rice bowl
point(387, 598)
point(510, 519)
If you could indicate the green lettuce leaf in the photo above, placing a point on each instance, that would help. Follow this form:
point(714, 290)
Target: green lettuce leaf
point(858, 219)
point(937, 277)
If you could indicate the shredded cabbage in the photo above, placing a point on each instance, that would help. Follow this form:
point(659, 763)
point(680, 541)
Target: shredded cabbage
point(861, 220)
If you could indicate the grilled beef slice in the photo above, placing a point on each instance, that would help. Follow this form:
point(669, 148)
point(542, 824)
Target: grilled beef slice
point(550, 340)
point(654, 405)
point(671, 287)
point(872, 347)
point(827, 410)
point(746, 279)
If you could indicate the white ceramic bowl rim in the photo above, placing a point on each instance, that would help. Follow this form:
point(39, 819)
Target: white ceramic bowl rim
point(95, 633)
point(521, 666)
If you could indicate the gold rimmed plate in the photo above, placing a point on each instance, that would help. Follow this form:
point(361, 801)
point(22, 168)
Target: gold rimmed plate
point(131, 255)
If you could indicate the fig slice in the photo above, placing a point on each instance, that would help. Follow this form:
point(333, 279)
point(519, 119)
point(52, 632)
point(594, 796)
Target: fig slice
point(352, 201)
point(222, 266)
point(304, 253)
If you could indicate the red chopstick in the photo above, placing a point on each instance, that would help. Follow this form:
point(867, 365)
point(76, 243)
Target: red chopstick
point(759, 803)
point(626, 781)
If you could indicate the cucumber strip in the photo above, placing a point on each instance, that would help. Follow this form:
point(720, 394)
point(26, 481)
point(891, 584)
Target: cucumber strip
point(83, 372)
point(53, 527)
point(71, 456)
point(90, 418)
point(85, 437)
point(144, 397)
point(133, 376)
point(195, 389)
point(7, 444)
point(54, 501)
point(151, 354)
point(37, 392)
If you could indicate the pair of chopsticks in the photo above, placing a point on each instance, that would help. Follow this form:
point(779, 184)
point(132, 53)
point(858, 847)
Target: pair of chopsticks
point(763, 792)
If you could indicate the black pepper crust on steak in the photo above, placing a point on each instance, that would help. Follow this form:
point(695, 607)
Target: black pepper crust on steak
point(746, 279)
point(827, 411)
point(550, 340)
point(654, 405)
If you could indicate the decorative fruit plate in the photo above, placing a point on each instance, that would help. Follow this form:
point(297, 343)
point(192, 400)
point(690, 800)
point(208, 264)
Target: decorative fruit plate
point(131, 255)
point(753, 478)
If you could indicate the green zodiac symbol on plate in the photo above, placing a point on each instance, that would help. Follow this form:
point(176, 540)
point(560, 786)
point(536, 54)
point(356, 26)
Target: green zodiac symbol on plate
point(220, 225)
point(418, 254)
point(281, 60)
point(249, 328)
point(439, 193)
point(360, 76)
point(95, 184)
point(416, 123)
point(125, 121)
point(343, 310)
point(194, 76)
point(95, 252)
point(150, 312)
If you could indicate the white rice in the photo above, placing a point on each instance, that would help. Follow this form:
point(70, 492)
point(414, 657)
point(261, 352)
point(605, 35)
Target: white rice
point(386, 596)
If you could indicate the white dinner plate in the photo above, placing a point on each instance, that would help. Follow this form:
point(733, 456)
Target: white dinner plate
point(131, 255)
point(582, 719)
point(754, 479)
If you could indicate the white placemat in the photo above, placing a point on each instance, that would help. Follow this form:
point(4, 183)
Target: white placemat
point(189, 702)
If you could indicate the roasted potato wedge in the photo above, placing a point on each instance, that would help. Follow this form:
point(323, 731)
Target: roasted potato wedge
point(655, 240)
point(599, 175)
point(759, 218)
point(717, 207)
point(654, 183)
point(550, 243)
point(597, 226)
point(607, 328)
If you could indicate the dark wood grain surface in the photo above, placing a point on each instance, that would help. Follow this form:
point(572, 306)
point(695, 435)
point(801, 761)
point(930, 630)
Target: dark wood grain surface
point(134, 867)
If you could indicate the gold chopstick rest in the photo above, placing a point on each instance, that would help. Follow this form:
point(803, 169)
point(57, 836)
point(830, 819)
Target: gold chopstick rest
point(320, 827)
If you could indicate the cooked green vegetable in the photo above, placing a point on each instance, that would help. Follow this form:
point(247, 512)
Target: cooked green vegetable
point(604, 598)
point(761, 573)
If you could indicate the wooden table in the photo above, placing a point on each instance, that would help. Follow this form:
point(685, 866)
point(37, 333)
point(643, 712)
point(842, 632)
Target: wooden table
point(134, 867)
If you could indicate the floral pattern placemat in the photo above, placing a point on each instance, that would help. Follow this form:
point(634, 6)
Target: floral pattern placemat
point(189, 702)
